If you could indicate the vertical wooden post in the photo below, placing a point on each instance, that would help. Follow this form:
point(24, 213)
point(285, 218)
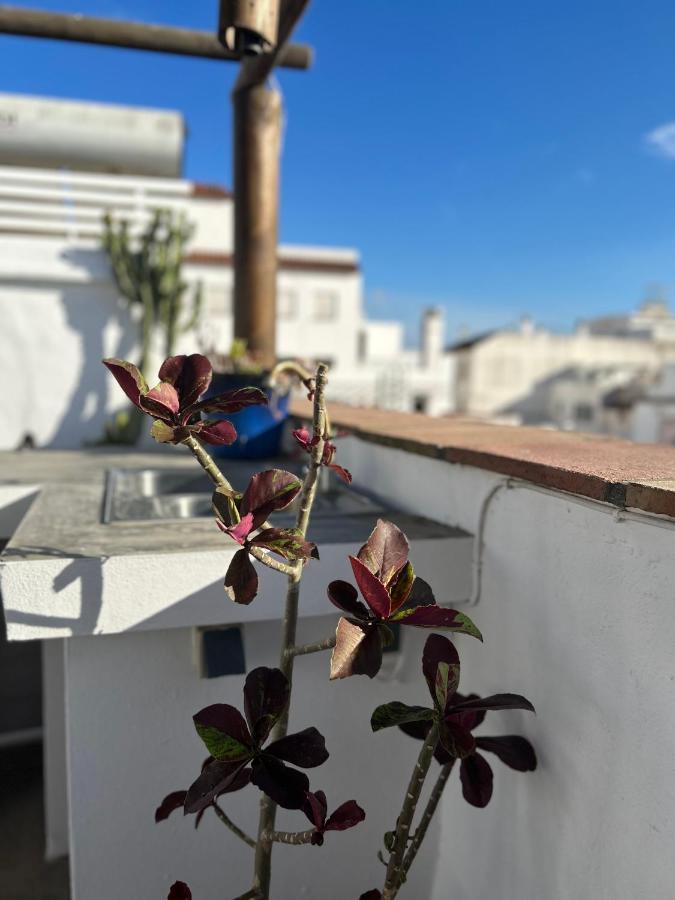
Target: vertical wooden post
point(257, 140)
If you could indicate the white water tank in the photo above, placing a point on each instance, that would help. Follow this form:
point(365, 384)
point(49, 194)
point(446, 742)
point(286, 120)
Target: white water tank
point(90, 137)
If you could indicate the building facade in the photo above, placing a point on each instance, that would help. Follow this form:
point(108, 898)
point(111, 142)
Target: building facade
point(61, 312)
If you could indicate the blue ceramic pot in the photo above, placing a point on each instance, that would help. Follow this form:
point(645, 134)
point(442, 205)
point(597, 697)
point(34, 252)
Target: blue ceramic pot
point(259, 428)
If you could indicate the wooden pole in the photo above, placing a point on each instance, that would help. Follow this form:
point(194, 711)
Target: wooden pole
point(257, 140)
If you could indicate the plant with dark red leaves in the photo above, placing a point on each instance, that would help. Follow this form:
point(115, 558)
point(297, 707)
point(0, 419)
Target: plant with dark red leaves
point(236, 745)
point(445, 728)
point(175, 402)
point(454, 715)
point(243, 517)
point(347, 815)
point(255, 748)
point(307, 442)
point(474, 771)
point(392, 593)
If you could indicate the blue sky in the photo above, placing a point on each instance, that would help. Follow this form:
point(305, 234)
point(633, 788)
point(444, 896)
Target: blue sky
point(496, 158)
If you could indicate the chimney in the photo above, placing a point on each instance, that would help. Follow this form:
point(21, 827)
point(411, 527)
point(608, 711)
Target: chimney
point(432, 337)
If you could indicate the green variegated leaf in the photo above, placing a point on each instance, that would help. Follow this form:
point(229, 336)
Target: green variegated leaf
point(389, 714)
point(162, 432)
point(224, 732)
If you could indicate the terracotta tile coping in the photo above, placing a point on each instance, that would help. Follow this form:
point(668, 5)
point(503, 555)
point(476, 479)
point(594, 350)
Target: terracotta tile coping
point(640, 476)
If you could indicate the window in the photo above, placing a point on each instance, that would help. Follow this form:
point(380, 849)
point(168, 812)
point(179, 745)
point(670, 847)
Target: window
point(325, 306)
point(420, 403)
point(217, 299)
point(583, 412)
point(287, 305)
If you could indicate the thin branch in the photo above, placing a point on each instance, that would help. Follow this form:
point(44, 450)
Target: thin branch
point(326, 644)
point(291, 365)
point(270, 561)
point(427, 816)
point(235, 829)
point(395, 871)
point(263, 856)
point(253, 894)
point(289, 837)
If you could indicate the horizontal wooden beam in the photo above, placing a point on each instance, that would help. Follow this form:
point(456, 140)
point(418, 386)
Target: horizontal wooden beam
point(133, 36)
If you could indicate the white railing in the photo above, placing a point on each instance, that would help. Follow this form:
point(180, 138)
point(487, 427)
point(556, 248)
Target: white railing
point(72, 204)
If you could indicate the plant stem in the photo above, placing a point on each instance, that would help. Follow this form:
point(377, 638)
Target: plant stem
point(263, 855)
point(235, 829)
point(326, 644)
point(395, 871)
point(427, 816)
point(289, 837)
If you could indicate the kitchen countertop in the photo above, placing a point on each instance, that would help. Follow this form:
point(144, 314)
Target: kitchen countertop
point(65, 572)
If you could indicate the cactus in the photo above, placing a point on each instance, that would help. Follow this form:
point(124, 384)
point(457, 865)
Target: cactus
point(147, 272)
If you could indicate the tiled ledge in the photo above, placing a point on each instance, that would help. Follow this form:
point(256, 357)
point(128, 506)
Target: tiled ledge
point(640, 476)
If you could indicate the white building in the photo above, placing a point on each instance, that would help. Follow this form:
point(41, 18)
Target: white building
point(61, 312)
point(531, 375)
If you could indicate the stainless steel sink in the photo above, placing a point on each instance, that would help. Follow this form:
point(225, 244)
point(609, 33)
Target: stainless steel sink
point(150, 494)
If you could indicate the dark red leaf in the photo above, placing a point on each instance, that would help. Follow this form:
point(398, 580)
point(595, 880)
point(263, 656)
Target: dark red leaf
point(190, 375)
point(240, 531)
point(347, 815)
point(371, 895)
point(232, 401)
point(266, 694)
point(284, 785)
point(439, 649)
point(456, 740)
point(286, 542)
point(345, 596)
point(241, 578)
point(268, 492)
point(214, 779)
point(437, 617)
point(385, 552)
point(215, 432)
point(128, 377)
point(421, 594)
point(468, 718)
point(170, 803)
point(496, 701)
point(373, 591)
point(315, 808)
point(162, 402)
point(513, 750)
point(224, 732)
point(179, 891)
point(476, 776)
point(358, 650)
point(306, 748)
point(342, 473)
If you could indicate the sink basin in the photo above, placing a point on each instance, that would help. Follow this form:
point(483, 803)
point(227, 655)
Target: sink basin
point(149, 494)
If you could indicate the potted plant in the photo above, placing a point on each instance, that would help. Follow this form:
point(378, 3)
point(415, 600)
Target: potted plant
point(259, 428)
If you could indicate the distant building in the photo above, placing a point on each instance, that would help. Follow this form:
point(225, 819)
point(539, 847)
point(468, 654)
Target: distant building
point(61, 312)
point(531, 375)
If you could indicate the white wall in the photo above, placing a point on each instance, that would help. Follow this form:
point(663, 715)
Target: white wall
point(117, 849)
point(577, 614)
